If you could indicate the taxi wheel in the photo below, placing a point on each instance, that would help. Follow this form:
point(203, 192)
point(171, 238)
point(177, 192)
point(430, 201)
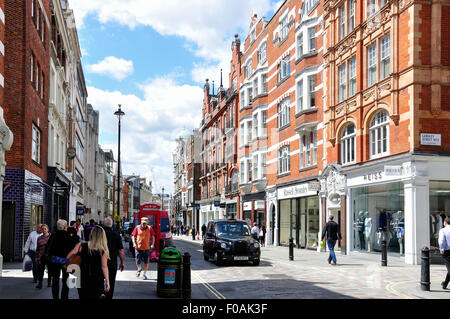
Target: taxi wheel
point(205, 257)
point(217, 259)
point(256, 262)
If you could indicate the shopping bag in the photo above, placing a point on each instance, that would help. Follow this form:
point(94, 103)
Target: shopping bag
point(322, 244)
point(27, 263)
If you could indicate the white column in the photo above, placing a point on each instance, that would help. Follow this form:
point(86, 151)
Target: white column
point(417, 222)
point(6, 140)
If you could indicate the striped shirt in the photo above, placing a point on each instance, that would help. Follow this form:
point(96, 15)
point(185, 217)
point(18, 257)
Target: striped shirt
point(40, 247)
point(444, 239)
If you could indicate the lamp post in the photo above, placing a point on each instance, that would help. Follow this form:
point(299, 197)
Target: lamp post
point(119, 113)
point(162, 199)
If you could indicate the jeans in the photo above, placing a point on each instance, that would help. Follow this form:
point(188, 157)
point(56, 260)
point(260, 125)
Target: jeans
point(32, 255)
point(446, 257)
point(331, 243)
point(55, 271)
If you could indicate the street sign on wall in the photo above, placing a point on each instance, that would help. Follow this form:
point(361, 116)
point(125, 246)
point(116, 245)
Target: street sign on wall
point(430, 139)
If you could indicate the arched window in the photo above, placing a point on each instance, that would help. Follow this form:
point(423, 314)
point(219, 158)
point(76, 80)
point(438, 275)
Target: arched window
point(348, 144)
point(379, 134)
point(284, 164)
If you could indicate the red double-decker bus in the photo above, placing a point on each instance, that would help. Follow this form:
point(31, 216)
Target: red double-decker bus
point(159, 220)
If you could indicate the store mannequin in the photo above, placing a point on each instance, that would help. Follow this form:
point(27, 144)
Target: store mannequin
point(368, 230)
point(360, 228)
point(400, 225)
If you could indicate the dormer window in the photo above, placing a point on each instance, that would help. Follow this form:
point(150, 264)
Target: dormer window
point(253, 36)
point(284, 28)
point(262, 53)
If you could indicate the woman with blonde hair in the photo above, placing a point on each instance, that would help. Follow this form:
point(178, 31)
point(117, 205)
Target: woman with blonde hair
point(94, 264)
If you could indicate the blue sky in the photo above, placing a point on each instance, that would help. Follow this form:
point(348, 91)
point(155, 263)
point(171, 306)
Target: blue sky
point(153, 57)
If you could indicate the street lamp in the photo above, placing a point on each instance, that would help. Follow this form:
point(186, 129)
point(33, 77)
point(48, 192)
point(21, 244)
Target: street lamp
point(119, 113)
point(162, 199)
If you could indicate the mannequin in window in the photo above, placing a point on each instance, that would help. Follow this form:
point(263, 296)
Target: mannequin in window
point(368, 230)
point(399, 222)
point(360, 229)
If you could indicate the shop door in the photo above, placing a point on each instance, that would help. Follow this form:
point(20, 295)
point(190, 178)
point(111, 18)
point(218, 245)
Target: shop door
point(337, 218)
point(8, 233)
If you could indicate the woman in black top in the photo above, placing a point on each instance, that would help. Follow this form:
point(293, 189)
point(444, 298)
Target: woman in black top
point(58, 246)
point(94, 265)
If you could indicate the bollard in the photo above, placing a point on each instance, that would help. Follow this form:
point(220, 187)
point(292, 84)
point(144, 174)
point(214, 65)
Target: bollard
point(425, 265)
point(291, 248)
point(186, 282)
point(383, 253)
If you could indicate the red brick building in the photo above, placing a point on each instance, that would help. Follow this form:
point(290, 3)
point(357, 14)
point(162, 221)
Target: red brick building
point(386, 104)
point(26, 64)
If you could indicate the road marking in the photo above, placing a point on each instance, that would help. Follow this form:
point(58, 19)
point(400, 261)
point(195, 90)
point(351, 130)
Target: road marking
point(209, 287)
point(391, 289)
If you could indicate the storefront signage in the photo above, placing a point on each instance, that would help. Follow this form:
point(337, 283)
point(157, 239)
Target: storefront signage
point(393, 170)
point(80, 211)
point(216, 203)
point(260, 204)
point(430, 139)
point(373, 176)
point(248, 206)
point(301, 190)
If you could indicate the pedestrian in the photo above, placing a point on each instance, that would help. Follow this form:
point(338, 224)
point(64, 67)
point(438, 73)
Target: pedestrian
point(143, 238)
point(73, 232)
point(193, 232)
point(88, 229)
point(203, 231)
point(58, 247)
point(94, 254)
point(255, 231)
point(115, 248)
point(80, 229)
point(444, 247)
point(41, 257)
point(30, 250)
point(262, 235)
point(178, 230)
point(333, 234)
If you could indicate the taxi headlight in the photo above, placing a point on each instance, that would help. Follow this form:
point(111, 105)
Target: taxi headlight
point(223, 245)
point(256, 245)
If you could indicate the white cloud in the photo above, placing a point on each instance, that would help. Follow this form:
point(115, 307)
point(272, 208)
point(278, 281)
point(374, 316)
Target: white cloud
point(150, 125)
point(113, 67)
point(208, 26)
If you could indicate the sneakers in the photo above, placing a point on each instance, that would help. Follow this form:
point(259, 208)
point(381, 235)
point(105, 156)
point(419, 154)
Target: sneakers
point(334, 263)
point(138, 273)
point(443, 285)
point(145, 277)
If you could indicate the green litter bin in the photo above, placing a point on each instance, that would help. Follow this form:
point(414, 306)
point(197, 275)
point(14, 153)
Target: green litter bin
point(169, 273)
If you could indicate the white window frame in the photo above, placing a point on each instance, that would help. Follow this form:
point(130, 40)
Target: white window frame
point(342, 22)
point(284, 69)
point(299, 45)
point(284, 30)
point(311, 90)
point(342, 82)
point(379, 134)
point(300, 90)
point(284, 165)
point(352, 77)
point(351, 15)
point(284, 112)
point(311, 39)
point(348, 145)
point(263, 83)
point(385, 54)
point(36, 144)
point(371, 65)
point(262, 53)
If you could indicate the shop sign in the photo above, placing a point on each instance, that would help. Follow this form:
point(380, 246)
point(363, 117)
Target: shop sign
point(393, 170)
point(430, 139)
point(80, 211)
point(248, 206)
point(297, 191)
point(373, 176)
point(260, 204)
point(216, 203)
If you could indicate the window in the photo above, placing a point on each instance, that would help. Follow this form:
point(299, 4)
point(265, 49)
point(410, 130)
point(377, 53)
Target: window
point(248, 69)
point(253, 36)
point(37, 77)
point(264, 122)
point(255, 125)
point(242, 134)
point(351, 15)
point(348, 140)
point(300, 45)
point(255, 167)
point(32, 68)
point(342, 22)
point(342, 83)
point(79, 149)
point(283, 113)
point(372, 65)
point(385, 58)
point(249, 96)
point(300, 96)
point(314, 147)
point(284, 69)
point(243, 99)
point(36, 144)
point(249, 170)
point(284, 28)
point(312, 88)
point(263, 165)
point(371, 7)
point(262, 53)
point(379, 134)
point(284, 165)
point(264, 83)
point(312, 39)
point(308, 149)
point(255, 87)
point(249, 132)
point(352, 77)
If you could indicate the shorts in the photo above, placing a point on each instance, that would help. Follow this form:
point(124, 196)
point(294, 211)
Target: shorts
point(142, 256)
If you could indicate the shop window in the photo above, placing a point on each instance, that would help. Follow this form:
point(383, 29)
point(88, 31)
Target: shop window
point(378, 211)
point(439, 210)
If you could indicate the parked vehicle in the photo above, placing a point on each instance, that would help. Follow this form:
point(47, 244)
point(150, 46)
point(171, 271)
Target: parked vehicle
point(230, 240)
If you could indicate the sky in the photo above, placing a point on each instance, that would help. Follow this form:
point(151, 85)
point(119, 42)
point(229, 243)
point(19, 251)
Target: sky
point(152, 57)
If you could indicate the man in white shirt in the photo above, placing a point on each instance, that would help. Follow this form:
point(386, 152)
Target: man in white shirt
point(255, 231)
point(444, 247)
point(30, 249)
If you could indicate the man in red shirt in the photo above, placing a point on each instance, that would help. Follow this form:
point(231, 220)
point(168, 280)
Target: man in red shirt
point(143, 238)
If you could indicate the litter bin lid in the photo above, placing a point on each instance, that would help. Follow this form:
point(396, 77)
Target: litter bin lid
point(170, 253)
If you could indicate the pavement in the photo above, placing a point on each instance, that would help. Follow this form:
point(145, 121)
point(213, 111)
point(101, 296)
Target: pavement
point(357, 275)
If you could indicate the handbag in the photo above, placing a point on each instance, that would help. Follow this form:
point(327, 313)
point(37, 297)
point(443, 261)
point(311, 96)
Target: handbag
point(74, 259)
point(27, 263)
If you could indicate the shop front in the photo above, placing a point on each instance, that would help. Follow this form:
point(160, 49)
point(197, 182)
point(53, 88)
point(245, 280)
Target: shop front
point(299, 215)
point(402, 200)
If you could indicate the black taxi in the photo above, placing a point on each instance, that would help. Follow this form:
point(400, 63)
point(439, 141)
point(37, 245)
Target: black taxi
point(230, 240)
